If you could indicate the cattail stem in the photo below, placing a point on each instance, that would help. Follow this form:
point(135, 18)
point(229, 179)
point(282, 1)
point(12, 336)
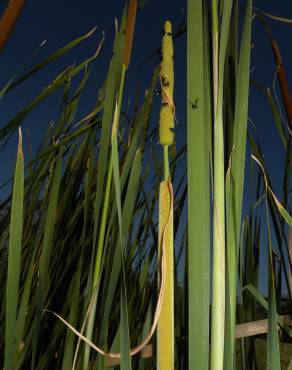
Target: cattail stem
point(166, 163)
point(165, 329)
point(282, 80)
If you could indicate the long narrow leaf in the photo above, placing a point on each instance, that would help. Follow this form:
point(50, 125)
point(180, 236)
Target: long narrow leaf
point(198, 118)
point(14, 255)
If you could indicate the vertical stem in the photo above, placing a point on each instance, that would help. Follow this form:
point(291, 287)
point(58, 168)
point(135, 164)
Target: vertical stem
point(218, 277)
point(166, 163)
point(165, 329)
point(218, 280)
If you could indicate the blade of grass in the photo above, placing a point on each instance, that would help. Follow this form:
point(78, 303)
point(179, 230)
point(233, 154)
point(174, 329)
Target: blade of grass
point(198, 190)
point(234, 210)
point(14, 256)
point(277, 118)
point(12, 125)
point(23, 308)
point(115, 80)
point(218, 276)
point(46, 250)
point(279, 206)
point(51, 58)
point(273, 348)
point(70, 338)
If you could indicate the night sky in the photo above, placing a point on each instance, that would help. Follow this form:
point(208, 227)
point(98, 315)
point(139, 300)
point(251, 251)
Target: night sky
point(60, 21)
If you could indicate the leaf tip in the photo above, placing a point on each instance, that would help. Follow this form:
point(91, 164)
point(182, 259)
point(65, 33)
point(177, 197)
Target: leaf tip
point(115, 121)
point(20, 140)
point(91, 32)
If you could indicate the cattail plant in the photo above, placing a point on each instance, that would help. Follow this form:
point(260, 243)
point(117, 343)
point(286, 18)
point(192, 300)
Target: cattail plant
point(166, 123)
point(78, 237)
point(165, 331)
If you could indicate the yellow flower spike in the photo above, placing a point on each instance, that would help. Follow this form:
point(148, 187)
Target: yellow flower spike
point(165, 329)
point(167, 112)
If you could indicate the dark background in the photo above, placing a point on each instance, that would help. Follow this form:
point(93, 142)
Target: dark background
point(60, 21)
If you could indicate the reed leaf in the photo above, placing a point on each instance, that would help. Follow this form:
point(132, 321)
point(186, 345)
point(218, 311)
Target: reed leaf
point(273, 349)
point(12, 125)
point(199, 137)
point(218, 274)
point(47, 249)
point(125, 337)
point(14, 257)
point(236, 183)
point(51, 58)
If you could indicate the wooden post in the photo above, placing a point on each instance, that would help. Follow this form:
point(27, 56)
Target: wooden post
point(247, 329)
point(290, 259)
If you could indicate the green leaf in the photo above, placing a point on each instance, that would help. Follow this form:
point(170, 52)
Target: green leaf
point(199, 125)
point(235, 185)
point(51, 58)
point(14, 256)
point(70, 72)
point(273, 348)
point(277, 118)
point(47, 248)
point(124, 336)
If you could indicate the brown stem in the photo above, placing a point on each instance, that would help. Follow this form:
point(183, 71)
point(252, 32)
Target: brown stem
point(9, 19)
point(281, 74)
point(129, 31)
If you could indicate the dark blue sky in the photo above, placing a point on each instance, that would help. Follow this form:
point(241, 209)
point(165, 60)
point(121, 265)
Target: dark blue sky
point(60, 21)
point(263, 71)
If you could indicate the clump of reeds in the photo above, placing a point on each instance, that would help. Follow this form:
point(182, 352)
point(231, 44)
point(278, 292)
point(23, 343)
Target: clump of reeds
point(78, 234)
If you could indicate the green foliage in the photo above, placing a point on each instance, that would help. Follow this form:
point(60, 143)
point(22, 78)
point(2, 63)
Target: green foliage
point(79, 231)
